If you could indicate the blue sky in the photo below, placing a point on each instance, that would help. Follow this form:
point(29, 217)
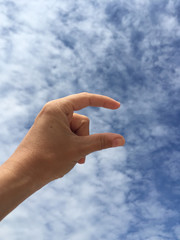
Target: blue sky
point(128, 50)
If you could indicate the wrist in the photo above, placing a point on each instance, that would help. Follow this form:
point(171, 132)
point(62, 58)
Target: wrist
point(23, 165)
point(14, 187)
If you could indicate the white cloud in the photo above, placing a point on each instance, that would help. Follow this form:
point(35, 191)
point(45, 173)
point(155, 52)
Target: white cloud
point(177, 231)
point(54, 48)
point(172, 166)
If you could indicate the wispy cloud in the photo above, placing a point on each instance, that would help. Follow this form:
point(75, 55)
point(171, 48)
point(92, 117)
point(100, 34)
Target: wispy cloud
point(126, 50)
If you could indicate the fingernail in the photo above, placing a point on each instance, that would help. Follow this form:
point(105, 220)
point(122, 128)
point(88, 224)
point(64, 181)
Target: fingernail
point(118, 142)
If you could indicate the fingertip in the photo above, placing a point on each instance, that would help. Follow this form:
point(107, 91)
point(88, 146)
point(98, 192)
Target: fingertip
point(120, 141)
point(113, 104)
point(118, 104)
point(81, 161)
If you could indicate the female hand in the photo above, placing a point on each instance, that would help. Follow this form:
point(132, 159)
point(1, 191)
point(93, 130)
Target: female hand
point(59, 138)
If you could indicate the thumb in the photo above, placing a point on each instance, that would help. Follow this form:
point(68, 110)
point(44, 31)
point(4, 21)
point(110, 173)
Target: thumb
point(96, 142)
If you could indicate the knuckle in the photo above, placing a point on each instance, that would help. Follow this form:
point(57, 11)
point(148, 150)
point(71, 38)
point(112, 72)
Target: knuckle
point(47, 105)
point(47, 108)
point(85, 93)
point(88, 97)
point(102, 142)
point(86, 120)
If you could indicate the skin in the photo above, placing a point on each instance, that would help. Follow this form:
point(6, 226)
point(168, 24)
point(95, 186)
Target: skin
point(56, 142)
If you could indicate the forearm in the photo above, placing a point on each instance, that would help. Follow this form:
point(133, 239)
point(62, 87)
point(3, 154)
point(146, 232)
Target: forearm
point(15, 185)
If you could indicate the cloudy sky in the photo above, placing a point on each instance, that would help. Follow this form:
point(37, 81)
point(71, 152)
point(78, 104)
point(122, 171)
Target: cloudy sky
point(128, 50)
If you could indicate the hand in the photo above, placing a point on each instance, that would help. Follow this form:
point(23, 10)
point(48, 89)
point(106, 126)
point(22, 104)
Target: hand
point(59, 138)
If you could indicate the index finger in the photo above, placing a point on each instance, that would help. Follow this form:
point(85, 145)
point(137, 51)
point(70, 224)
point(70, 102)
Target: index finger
point(82, 100)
